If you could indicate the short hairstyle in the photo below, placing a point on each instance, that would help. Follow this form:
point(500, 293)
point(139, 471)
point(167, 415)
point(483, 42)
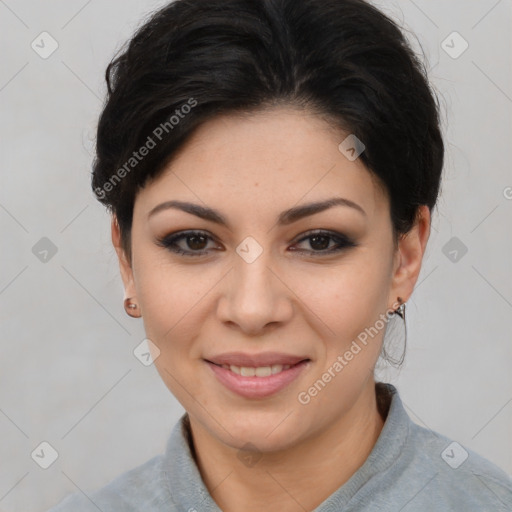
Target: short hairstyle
point(343, 60)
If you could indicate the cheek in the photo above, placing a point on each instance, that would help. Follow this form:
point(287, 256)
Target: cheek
point(169, 294)
point(350, 302)
point(347, 297)
point(170, 298)
point(172, 301)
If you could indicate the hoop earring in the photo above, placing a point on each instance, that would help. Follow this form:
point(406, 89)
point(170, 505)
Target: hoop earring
point(130, 308)
point(389, 358)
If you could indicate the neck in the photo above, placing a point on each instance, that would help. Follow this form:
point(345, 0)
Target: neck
point(299, 478)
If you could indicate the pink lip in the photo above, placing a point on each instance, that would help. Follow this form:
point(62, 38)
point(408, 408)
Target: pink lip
point(257, 387)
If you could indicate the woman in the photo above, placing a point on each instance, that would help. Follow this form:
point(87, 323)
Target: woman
point(271, 168)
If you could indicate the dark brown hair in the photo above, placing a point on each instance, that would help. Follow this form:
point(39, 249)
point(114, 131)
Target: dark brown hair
point(342, 59)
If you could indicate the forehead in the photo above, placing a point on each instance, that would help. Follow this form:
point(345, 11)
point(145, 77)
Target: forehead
point(270, 160)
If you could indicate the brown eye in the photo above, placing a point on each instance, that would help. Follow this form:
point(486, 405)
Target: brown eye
point(196, 242)
point(320, 241)
point(191, 243)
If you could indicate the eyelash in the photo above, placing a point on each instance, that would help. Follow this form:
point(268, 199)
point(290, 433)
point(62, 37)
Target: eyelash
point(343, 242)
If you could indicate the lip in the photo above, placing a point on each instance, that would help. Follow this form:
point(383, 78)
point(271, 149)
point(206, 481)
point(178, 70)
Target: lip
point(257, 387)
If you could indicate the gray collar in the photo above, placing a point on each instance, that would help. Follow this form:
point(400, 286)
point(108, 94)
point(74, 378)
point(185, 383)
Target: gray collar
point(188, 492)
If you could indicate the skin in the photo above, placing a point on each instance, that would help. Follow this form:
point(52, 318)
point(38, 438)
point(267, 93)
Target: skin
point(251, 169)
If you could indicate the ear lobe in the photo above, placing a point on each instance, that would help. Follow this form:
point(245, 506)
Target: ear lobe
point(124, 264)
point(411, 248)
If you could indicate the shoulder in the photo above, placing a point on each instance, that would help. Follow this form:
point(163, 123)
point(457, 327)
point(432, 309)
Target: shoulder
point(420, 469)
point(140, 488)
point(449, 474)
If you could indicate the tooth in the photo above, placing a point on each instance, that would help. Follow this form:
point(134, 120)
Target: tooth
point(225, 366)
point(260, 371)
point(263, 371)
point(276, 368)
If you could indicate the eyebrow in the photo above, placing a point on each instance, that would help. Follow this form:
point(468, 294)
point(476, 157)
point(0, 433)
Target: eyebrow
point(287, 217)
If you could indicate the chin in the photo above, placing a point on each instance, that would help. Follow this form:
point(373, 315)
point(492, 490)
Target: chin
point(268, 431)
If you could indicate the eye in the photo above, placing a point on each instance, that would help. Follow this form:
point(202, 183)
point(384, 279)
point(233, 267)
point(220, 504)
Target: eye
point(195, 240)
point(320, 242)
point(195, 243)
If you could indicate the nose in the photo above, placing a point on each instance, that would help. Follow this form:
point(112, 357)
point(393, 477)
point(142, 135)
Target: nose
point(255, 297)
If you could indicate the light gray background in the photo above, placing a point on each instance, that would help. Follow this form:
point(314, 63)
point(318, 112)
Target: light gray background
point(67, 372)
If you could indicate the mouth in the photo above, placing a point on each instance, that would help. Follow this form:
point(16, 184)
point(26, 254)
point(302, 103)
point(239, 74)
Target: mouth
point(257, 377)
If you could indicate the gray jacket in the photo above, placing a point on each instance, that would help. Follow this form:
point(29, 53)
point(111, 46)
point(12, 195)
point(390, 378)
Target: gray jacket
point(410, 469)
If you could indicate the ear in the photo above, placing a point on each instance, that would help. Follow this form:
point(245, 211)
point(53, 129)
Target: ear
point(409, 257)
point(124, 264)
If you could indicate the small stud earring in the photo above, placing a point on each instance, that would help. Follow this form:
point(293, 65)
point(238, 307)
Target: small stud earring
point(130, 308)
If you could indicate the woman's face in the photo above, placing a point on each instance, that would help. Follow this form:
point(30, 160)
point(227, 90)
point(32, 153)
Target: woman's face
point(265, 282)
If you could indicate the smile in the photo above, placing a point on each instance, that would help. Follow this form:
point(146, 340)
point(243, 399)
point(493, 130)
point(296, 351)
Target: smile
point(257, 382)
